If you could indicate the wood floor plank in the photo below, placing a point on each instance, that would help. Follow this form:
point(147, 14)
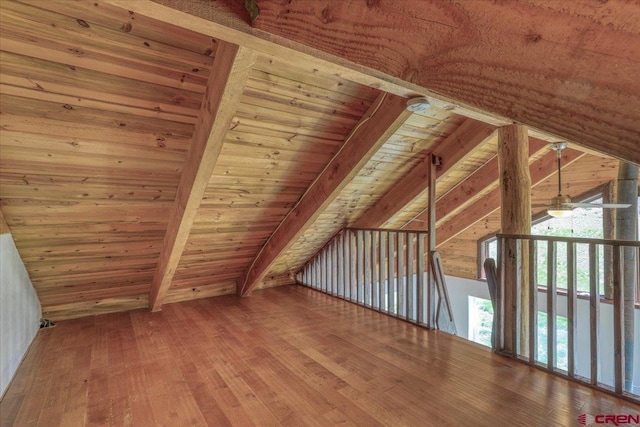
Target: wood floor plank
point(286, 356)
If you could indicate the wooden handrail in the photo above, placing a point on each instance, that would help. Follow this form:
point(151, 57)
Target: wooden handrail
point(384, 270)
point(390, 230)
point(631, 243)
point(591, 367)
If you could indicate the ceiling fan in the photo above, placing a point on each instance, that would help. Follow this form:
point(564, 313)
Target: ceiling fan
point(561, 206)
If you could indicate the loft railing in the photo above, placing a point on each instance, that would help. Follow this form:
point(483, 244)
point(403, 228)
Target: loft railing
point(383, 270)
point(551, 312)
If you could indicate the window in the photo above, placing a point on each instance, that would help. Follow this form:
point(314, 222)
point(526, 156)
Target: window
point(562, 341)
point(487, 248)
point(480, 323)
point(480, 320)
point(583, 223)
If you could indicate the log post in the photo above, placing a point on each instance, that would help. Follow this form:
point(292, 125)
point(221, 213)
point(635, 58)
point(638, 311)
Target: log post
point(608, 232)
point(626, 229)
point(515, 196)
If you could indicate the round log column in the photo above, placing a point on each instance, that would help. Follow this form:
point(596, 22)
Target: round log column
point(515, 199)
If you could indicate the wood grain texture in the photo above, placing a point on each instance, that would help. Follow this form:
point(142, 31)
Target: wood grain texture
point(515, 218)
point(99, 104)
point(402, 152)
point(382, 120)
point(95, 126)
point(540, 170)
point(568, 70)
point(226, 20)
point(230, 70)
point(4, 228)
point(515, 179)
point(474, 185)
point(103, 304)
point(286, 356)
point(459, 254)
point(291, 121)
point(453, 150)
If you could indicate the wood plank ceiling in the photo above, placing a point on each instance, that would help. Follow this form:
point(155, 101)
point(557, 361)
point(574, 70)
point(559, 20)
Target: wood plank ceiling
point(120, 178)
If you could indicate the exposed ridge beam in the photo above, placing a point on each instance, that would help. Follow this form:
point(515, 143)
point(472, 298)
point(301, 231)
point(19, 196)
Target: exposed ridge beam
point(381, 121)
point(451, 203)
point(590, 97)
point(527, 65)
point(454, 149)
point(231, 68)
point(540, 170)
point(222, 20)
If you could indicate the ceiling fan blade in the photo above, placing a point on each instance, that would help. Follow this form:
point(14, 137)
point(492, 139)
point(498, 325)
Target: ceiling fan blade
point(598, 205)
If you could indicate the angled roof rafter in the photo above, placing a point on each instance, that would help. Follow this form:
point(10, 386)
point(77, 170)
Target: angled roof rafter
point(462, 142)
point(231, 68)
point(541, 169)
point(486, 176)
point(384, 117)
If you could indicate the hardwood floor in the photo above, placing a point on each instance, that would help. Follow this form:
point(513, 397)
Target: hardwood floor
point(284, 356)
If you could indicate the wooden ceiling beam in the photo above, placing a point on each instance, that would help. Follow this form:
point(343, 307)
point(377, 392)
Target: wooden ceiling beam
point(231, 68)
point(454, 149)
point(571, 71)
point(468, 190)
point(540, 170)
point(565, 71)
point(590, 95)
point(227, 20)
point(381, 121)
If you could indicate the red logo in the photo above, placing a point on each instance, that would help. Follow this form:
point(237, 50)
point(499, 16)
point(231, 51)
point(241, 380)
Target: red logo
point(586, 419)
point(616, 420)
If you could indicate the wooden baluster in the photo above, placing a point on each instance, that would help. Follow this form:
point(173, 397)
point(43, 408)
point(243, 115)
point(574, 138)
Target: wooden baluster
point(618, 320)
point(367, 269)
point(334, 267)
point(410, 297)
point(420, 294)
point(360, 266)
point(533, 300)
point(401, 283)
point(384, 288)
point(340, 254)
point(551, 304)
point(571, 309)
point(392, 274)
point(594, 312)
point(501, 306)
point(354, 267)
point(375, 262)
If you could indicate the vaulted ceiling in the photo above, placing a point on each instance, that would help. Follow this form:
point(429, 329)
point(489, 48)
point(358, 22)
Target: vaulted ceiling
point(150, 156)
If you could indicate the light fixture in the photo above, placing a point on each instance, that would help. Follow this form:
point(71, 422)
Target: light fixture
point(560, 213)
point(420, 103)
point(560, 207)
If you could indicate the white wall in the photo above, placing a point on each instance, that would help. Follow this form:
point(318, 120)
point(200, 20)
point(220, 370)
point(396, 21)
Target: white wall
point(19, 311)
point(460, 289)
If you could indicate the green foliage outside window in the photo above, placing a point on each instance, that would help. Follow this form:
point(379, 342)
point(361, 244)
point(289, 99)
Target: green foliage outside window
point(481, 313)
